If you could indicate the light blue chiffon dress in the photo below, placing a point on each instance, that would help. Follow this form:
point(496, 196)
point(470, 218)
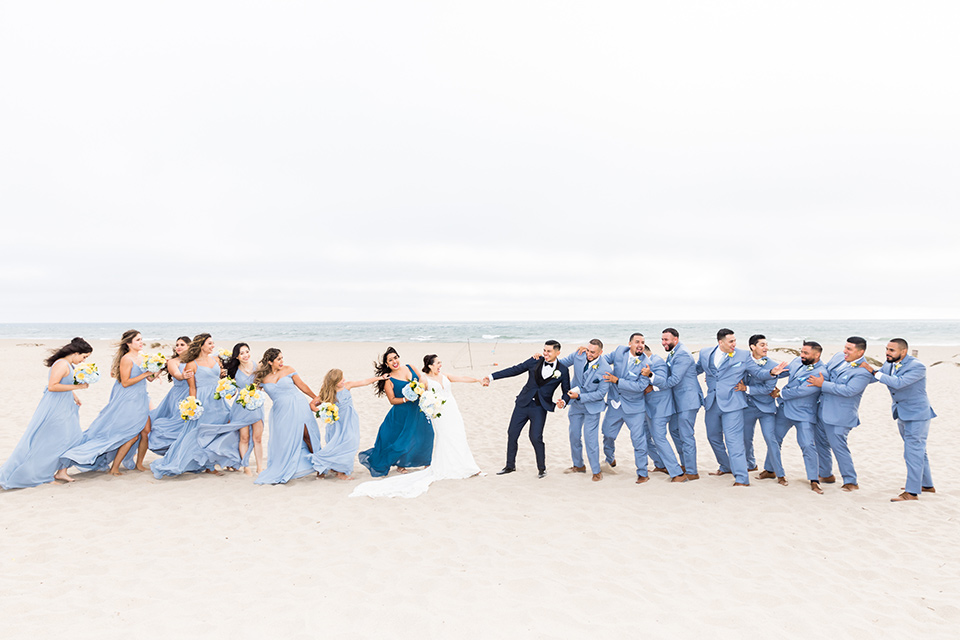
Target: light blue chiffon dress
point(242, 417)
point(405, 437)
point(124, 417)
point(343, 438)
point(186, 454)
point(54, 428)
point(165, 421)
point(288, 456)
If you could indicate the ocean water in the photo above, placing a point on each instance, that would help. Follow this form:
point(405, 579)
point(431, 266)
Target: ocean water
point(916, 332)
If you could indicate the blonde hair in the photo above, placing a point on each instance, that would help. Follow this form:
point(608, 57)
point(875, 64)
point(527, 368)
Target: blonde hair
point(328, 391)
point(122, 350)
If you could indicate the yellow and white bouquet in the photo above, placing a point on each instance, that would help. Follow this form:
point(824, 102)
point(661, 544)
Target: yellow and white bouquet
point(153, 363)
point(328, 412)
point(226, 389)
point(86, 373)
point(224, 356)
point(190, 408)
point(431, 403)
point(249, 398)
point(414, 390)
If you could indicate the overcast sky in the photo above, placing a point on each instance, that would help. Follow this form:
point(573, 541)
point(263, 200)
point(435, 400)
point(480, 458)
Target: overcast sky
point(472, 161)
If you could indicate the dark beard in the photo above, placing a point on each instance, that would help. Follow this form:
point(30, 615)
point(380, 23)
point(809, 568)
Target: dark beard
point(807, 361)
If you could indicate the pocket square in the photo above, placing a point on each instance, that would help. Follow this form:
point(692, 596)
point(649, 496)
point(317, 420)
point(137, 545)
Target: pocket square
point(738, 364)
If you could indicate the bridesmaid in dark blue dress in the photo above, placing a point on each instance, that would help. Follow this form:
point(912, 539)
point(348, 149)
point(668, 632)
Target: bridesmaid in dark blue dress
point(55, 426)
point(405, 438)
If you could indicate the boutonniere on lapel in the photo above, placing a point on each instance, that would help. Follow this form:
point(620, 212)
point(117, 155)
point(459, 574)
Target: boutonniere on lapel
point(730, 355)
point(854, 364)
point(556, 374)
point(762, 361)
point(809, 367)
point(636, 359)
point(897, 366)
point(595, 366)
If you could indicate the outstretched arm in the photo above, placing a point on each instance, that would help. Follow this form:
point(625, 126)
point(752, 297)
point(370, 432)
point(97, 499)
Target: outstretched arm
point(462, 379)
point(353, 384)
point(303, 386)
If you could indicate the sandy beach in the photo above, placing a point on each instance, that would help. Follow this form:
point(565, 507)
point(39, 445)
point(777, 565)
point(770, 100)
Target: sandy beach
point(488, 556)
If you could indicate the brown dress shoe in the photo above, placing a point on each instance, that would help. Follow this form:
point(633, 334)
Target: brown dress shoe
point(751, 469)
point(642, 479)
point(829, 479)
point(741, 484)
point(850, 487)
point(679, 478)
point(613, 463)
point(597, 477)
point(575, 470)
point(928, 490)
point(904, 497)
point(783, 481)
point(766, 475)
point(693, 476)
point(719, 473)
point(659, 470)
point(815, 486)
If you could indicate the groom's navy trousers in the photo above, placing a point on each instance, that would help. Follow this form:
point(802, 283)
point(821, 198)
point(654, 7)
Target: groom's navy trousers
point(536, 415)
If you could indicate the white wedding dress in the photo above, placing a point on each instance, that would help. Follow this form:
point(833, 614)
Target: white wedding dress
point(452, 459)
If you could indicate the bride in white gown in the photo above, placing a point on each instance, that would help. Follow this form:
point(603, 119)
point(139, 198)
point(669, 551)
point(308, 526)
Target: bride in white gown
point(452, 459)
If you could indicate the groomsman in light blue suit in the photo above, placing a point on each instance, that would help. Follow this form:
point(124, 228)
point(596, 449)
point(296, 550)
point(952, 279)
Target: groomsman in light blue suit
point(760, 404)
point(626, 403)
point(687, 399)
point(841, 388)
point(906, 378)
point(798, 408)
point(658, 411)
point(587, 400)
point(724, 367)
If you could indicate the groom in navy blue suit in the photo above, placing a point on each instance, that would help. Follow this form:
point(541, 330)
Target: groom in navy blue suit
point(534, 401)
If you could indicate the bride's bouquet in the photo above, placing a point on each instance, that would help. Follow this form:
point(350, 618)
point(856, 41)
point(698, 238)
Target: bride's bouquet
point(226, 389)
point(86, 374)
point(414, 390)
point(431, 403)
point(153, 363)
point(328, 412)
point(249, 398)
point(190, 408)
point(224, 356)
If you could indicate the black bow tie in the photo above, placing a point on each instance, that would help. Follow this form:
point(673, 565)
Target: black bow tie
point(548, 364)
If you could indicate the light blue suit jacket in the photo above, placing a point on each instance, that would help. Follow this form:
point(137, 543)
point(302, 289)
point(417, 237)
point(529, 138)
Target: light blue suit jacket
point(908, 389)
point(721, 381)
point(630, 386)
point(660, 403)
point(760, 387)
point(683, 382)
point(593, 388)
point(841, 392)
point(800, 401)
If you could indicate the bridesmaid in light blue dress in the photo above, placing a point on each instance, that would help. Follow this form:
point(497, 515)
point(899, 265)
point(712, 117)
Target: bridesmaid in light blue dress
point(249, 421)
point(110, 438)
point(54, 427)
point(187, 454)
point(405, 437)
point(343, 435)
point(294, 435)
point(165, 422)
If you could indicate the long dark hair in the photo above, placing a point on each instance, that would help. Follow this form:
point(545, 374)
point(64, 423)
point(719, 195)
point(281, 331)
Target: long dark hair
point(186, 341)
point(234, 362)
point(122, 350)
point(193, 351)
point(427, 361)
point(264, 369)
point(381, 368)
point(77, 345)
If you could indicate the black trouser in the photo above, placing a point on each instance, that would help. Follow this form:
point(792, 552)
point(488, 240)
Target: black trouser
point(536, 415)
